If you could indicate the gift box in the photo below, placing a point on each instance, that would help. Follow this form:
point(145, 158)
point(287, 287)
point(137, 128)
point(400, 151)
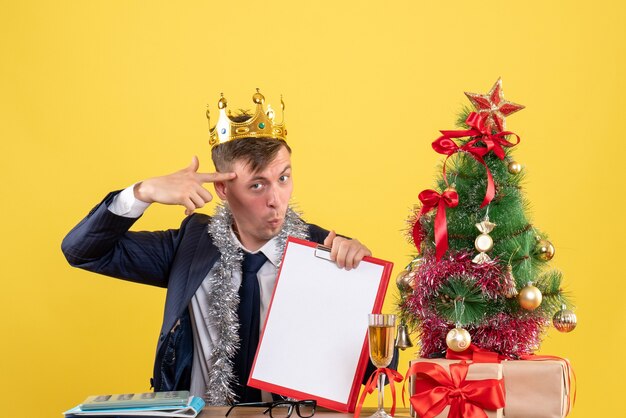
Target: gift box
point(435, 382)
point(537, 388)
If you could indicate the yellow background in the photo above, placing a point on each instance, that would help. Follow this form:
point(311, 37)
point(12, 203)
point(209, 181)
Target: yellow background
point(97, 95)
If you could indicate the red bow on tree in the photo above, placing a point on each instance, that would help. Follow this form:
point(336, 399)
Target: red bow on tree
point(482, 133)
point(431, 199)
point(435, 389)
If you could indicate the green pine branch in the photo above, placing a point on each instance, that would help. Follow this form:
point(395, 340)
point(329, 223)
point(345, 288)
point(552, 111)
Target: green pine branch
point(554, 297)
point(471, 305)
point(462, 116)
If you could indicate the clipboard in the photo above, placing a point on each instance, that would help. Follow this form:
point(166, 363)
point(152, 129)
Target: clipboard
point(314, 341)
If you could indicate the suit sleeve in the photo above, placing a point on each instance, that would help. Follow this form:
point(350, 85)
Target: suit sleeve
point(102, 243)
point(317, 234)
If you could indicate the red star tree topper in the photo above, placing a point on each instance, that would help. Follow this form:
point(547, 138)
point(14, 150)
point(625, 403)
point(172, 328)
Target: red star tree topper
point(493, 106)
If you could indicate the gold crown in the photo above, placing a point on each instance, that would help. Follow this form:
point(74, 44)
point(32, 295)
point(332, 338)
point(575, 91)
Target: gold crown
point(261, 124)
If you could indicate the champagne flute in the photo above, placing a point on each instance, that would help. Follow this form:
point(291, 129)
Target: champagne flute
point(381, 340)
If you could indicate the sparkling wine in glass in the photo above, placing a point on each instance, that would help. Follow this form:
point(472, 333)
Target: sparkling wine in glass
point(381, 340)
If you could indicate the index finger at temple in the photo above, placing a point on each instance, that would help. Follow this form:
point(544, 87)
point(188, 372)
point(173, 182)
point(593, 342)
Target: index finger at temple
point(213, 177)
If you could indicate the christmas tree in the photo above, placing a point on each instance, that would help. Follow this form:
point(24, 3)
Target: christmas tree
point(481, 273)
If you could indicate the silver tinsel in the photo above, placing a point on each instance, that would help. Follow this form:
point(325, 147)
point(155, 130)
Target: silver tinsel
point(223, 298)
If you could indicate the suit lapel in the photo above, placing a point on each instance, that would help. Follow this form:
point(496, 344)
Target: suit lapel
point(203, 260)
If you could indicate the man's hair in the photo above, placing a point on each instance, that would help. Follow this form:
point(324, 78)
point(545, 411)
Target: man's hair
point(256, 152)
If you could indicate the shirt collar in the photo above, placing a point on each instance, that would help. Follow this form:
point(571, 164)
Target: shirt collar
point(269, 249)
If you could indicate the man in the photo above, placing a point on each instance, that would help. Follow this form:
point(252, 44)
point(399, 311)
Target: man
point(219, 271)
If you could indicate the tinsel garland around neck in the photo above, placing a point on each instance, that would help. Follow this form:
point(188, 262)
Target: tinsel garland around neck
point(223, 297)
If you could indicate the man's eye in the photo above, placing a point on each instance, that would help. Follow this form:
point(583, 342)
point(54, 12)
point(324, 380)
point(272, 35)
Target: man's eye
point(283, 178)
point(256, 186)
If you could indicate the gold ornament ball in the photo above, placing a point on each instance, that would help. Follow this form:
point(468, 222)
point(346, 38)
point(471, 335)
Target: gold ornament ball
point(514, 167)
point(400, 277)
point(401, 280)
point(405, 280)
point(530, 297)
point(458, 339)
point(483, 243)
point(564, 320)
point(411, 280)
point(544, 250)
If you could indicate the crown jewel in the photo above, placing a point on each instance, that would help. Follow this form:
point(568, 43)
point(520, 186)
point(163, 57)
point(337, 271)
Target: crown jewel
point(260, 124)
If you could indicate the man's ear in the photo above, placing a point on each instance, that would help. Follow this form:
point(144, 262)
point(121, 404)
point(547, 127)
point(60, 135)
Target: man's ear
point(220, 189)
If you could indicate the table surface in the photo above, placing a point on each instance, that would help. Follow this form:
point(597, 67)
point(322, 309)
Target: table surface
point(220, 412)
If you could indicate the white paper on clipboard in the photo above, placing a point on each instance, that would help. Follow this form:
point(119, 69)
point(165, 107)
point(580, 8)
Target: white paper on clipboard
point(313, 343)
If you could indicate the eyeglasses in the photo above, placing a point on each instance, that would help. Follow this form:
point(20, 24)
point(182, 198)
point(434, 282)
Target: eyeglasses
point(282, 409)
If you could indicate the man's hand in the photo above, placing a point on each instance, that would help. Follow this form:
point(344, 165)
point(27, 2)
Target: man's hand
point(183, 187)
point(347, 253)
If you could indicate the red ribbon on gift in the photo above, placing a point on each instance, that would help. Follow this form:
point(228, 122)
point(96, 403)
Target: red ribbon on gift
point(435, 389)
point(482, 133)
point(476, 354)
point(370, 386)
point(431, 199)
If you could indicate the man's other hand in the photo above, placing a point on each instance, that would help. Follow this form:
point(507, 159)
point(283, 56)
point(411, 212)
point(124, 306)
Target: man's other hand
point(184, 187)
point(347, 253)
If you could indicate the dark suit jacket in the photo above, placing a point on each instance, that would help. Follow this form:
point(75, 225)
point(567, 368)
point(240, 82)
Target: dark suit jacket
point(177, 259)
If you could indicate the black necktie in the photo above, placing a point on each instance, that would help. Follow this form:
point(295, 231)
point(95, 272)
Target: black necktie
point(249, 321)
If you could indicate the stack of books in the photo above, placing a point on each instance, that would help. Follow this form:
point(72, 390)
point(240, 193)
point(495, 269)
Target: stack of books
point(153, 404)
